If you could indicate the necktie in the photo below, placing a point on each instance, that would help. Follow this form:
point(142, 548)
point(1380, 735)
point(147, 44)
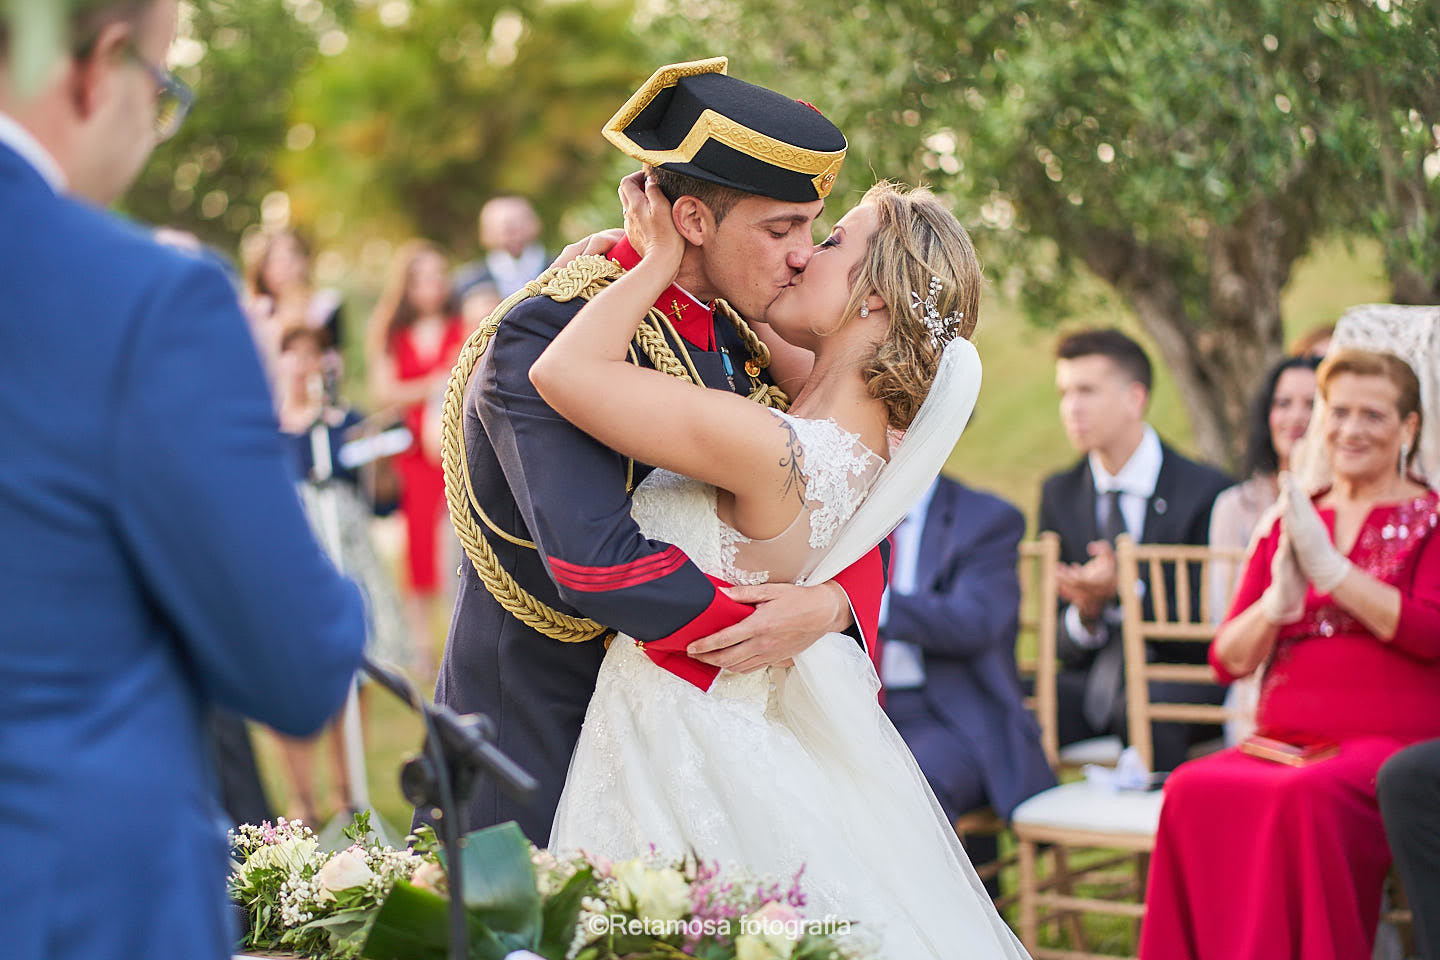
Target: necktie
point(1114, 517)
point(1107, 673)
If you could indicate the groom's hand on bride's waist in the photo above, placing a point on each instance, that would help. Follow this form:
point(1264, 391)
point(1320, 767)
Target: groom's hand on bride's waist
point(787, 620)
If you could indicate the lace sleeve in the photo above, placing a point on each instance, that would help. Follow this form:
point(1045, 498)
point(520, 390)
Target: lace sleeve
point(838, 469)
point(838, 472)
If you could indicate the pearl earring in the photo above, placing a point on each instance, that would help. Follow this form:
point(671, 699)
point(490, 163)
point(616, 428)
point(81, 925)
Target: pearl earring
point(864, 310)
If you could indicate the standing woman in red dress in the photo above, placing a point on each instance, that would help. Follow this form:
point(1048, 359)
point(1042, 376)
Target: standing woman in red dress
point(415, 336)
point(1258, 860)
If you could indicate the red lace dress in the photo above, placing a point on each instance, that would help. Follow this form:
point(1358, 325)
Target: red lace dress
point(422, 480)
point(1255, 859)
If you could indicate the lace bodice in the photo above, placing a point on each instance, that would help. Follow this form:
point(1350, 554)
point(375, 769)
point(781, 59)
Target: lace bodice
point(837, 470)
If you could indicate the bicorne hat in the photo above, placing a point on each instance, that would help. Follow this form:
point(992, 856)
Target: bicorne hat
point(694, 119)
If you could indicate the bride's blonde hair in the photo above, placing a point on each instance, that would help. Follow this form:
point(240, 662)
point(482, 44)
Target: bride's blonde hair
point(916, 239)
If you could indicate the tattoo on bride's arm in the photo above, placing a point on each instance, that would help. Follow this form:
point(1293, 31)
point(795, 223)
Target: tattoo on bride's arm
point(794, 479)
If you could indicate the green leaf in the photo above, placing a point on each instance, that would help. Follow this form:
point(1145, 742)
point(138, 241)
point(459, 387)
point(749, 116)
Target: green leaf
point(500, 882)
point(561, 913)
point(415, 925)
point(359, 829)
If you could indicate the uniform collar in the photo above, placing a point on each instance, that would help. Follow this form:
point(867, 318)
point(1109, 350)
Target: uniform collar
point(693, 320)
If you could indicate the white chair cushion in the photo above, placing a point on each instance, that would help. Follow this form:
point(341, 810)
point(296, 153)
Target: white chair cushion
point(1080, 806)
point(1102, 750)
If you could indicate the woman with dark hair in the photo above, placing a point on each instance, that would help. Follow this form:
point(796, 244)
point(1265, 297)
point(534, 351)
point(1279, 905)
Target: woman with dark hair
point(415, 336)
point(1278, 418)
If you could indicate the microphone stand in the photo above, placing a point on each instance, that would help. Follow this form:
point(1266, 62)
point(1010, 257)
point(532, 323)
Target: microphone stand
point(457, 751)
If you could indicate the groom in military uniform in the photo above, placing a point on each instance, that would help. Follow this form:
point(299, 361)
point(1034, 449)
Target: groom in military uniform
point(555, 564)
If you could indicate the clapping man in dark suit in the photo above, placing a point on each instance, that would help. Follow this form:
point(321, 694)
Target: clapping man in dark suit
point(1127, 481)
point(154, 559)
point(948, 624)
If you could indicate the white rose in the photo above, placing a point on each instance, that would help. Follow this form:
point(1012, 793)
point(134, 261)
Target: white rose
point(775, 928)
point(289, 855)
point(660, 895)
point(749, 946)
point(428, 876)
point(341, 872)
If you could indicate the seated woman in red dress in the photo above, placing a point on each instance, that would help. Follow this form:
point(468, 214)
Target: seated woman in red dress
point(1256, 859)
point(415, 336)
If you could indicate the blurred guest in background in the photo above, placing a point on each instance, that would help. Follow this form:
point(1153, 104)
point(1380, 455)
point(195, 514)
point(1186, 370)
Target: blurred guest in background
point(1409, 792)
point(1314, 342)
point(510, 237)
point(480, 301)
point(1258, 860)
point(1279, 417)
point(948, 624)
point(281, 294)
point(154, 559)
point(415, 338)
point(1126, 482)
point(316, 427)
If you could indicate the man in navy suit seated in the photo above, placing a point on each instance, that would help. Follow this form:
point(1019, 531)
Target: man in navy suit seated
point(154, 559)
point(948, 626)
point(1127, 482)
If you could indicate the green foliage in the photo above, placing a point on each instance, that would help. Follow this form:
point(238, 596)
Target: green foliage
point(562, 913)
point(500, 881)
point(242, 58)
point(1061, 122)
point(1389, 135)
point(414, 924)
point(419, 122)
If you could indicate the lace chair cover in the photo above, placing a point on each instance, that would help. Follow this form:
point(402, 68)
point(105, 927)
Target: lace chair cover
point(1413, 335)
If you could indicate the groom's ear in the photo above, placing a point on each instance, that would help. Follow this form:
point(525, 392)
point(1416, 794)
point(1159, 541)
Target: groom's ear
point(692, 219)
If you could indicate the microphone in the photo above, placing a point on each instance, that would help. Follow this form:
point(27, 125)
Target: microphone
point(457, 750)
point(467, 743)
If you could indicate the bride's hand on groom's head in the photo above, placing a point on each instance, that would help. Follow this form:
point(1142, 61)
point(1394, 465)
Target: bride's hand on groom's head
point(597, 244)
point(649, 223)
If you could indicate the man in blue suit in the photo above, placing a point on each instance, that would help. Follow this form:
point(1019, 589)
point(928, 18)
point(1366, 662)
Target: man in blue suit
point(948, 627)
point(154, 558)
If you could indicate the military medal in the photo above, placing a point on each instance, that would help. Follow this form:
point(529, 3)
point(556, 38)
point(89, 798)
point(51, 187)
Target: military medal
point(729, 367)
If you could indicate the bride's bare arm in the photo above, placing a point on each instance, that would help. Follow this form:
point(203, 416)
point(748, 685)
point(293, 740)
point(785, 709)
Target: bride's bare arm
point(711, 435)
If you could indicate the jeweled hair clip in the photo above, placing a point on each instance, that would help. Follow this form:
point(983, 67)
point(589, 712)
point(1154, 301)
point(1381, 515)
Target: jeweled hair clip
point(942, 329)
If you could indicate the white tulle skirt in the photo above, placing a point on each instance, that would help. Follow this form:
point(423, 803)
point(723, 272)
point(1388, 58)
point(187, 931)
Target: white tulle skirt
point(772, 772)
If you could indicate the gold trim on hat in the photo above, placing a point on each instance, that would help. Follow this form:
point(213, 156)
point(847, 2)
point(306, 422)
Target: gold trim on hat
point(821, 166)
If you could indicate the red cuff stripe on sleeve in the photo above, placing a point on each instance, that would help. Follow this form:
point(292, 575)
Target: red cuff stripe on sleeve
point(669, 652)
point(601, 579)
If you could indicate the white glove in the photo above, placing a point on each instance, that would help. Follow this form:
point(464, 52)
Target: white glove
point(1317, 556)
point(1284, 600)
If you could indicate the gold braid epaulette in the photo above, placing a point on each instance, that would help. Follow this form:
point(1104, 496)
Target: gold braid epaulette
point(583, 277)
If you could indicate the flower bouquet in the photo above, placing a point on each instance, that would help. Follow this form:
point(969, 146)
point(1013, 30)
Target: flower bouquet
point(385, 904)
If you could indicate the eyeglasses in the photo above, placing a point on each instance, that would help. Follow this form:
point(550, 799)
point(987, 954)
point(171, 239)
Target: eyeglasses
point(173, 98)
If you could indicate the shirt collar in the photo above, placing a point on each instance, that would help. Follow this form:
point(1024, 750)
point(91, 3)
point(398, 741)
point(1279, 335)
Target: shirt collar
point(17, 138)
point(693, 320)
point(1140, 473)
point(918, 512)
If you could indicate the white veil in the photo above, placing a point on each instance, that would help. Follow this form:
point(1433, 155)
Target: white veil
point(932, 435)
point(935, 903)
point(1413, 335)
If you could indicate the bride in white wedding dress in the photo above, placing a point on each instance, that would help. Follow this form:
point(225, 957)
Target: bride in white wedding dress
point(781, 769)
